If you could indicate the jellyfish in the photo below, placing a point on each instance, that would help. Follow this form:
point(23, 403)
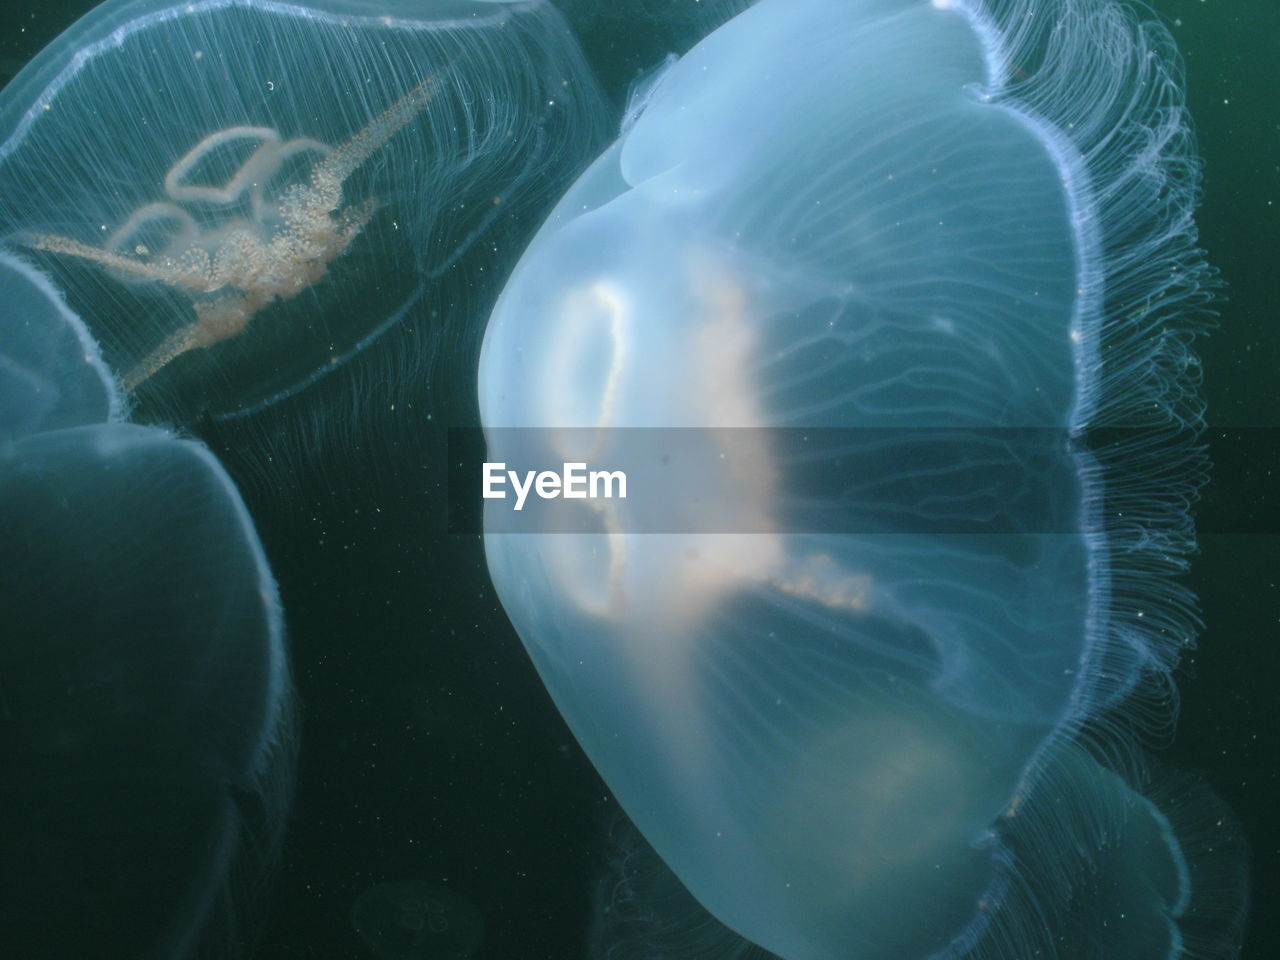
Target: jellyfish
point(406, 920)
point(284, 248)
point(885, 309)
point(241, 198)
point(147, 748)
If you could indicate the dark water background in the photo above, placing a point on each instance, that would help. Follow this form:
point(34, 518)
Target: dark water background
point(430, 751)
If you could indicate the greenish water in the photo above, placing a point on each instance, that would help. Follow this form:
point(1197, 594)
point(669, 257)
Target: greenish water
point(434, 752)
point(1228, 729)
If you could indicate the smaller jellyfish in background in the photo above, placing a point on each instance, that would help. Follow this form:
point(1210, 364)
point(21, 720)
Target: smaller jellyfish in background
point(241, 198)
point(403, 920)
point(147, 746)
point(281, 249)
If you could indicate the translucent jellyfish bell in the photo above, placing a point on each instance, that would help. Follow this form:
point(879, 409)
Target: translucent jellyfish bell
point(624, 39)
point(240, 197)
point(146, 748)
point(844, 302)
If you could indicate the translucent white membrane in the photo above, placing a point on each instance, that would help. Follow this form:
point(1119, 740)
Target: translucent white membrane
point(147, 750)
point(852, 214)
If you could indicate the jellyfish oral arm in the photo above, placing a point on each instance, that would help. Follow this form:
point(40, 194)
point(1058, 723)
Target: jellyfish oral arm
point(186, 276)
